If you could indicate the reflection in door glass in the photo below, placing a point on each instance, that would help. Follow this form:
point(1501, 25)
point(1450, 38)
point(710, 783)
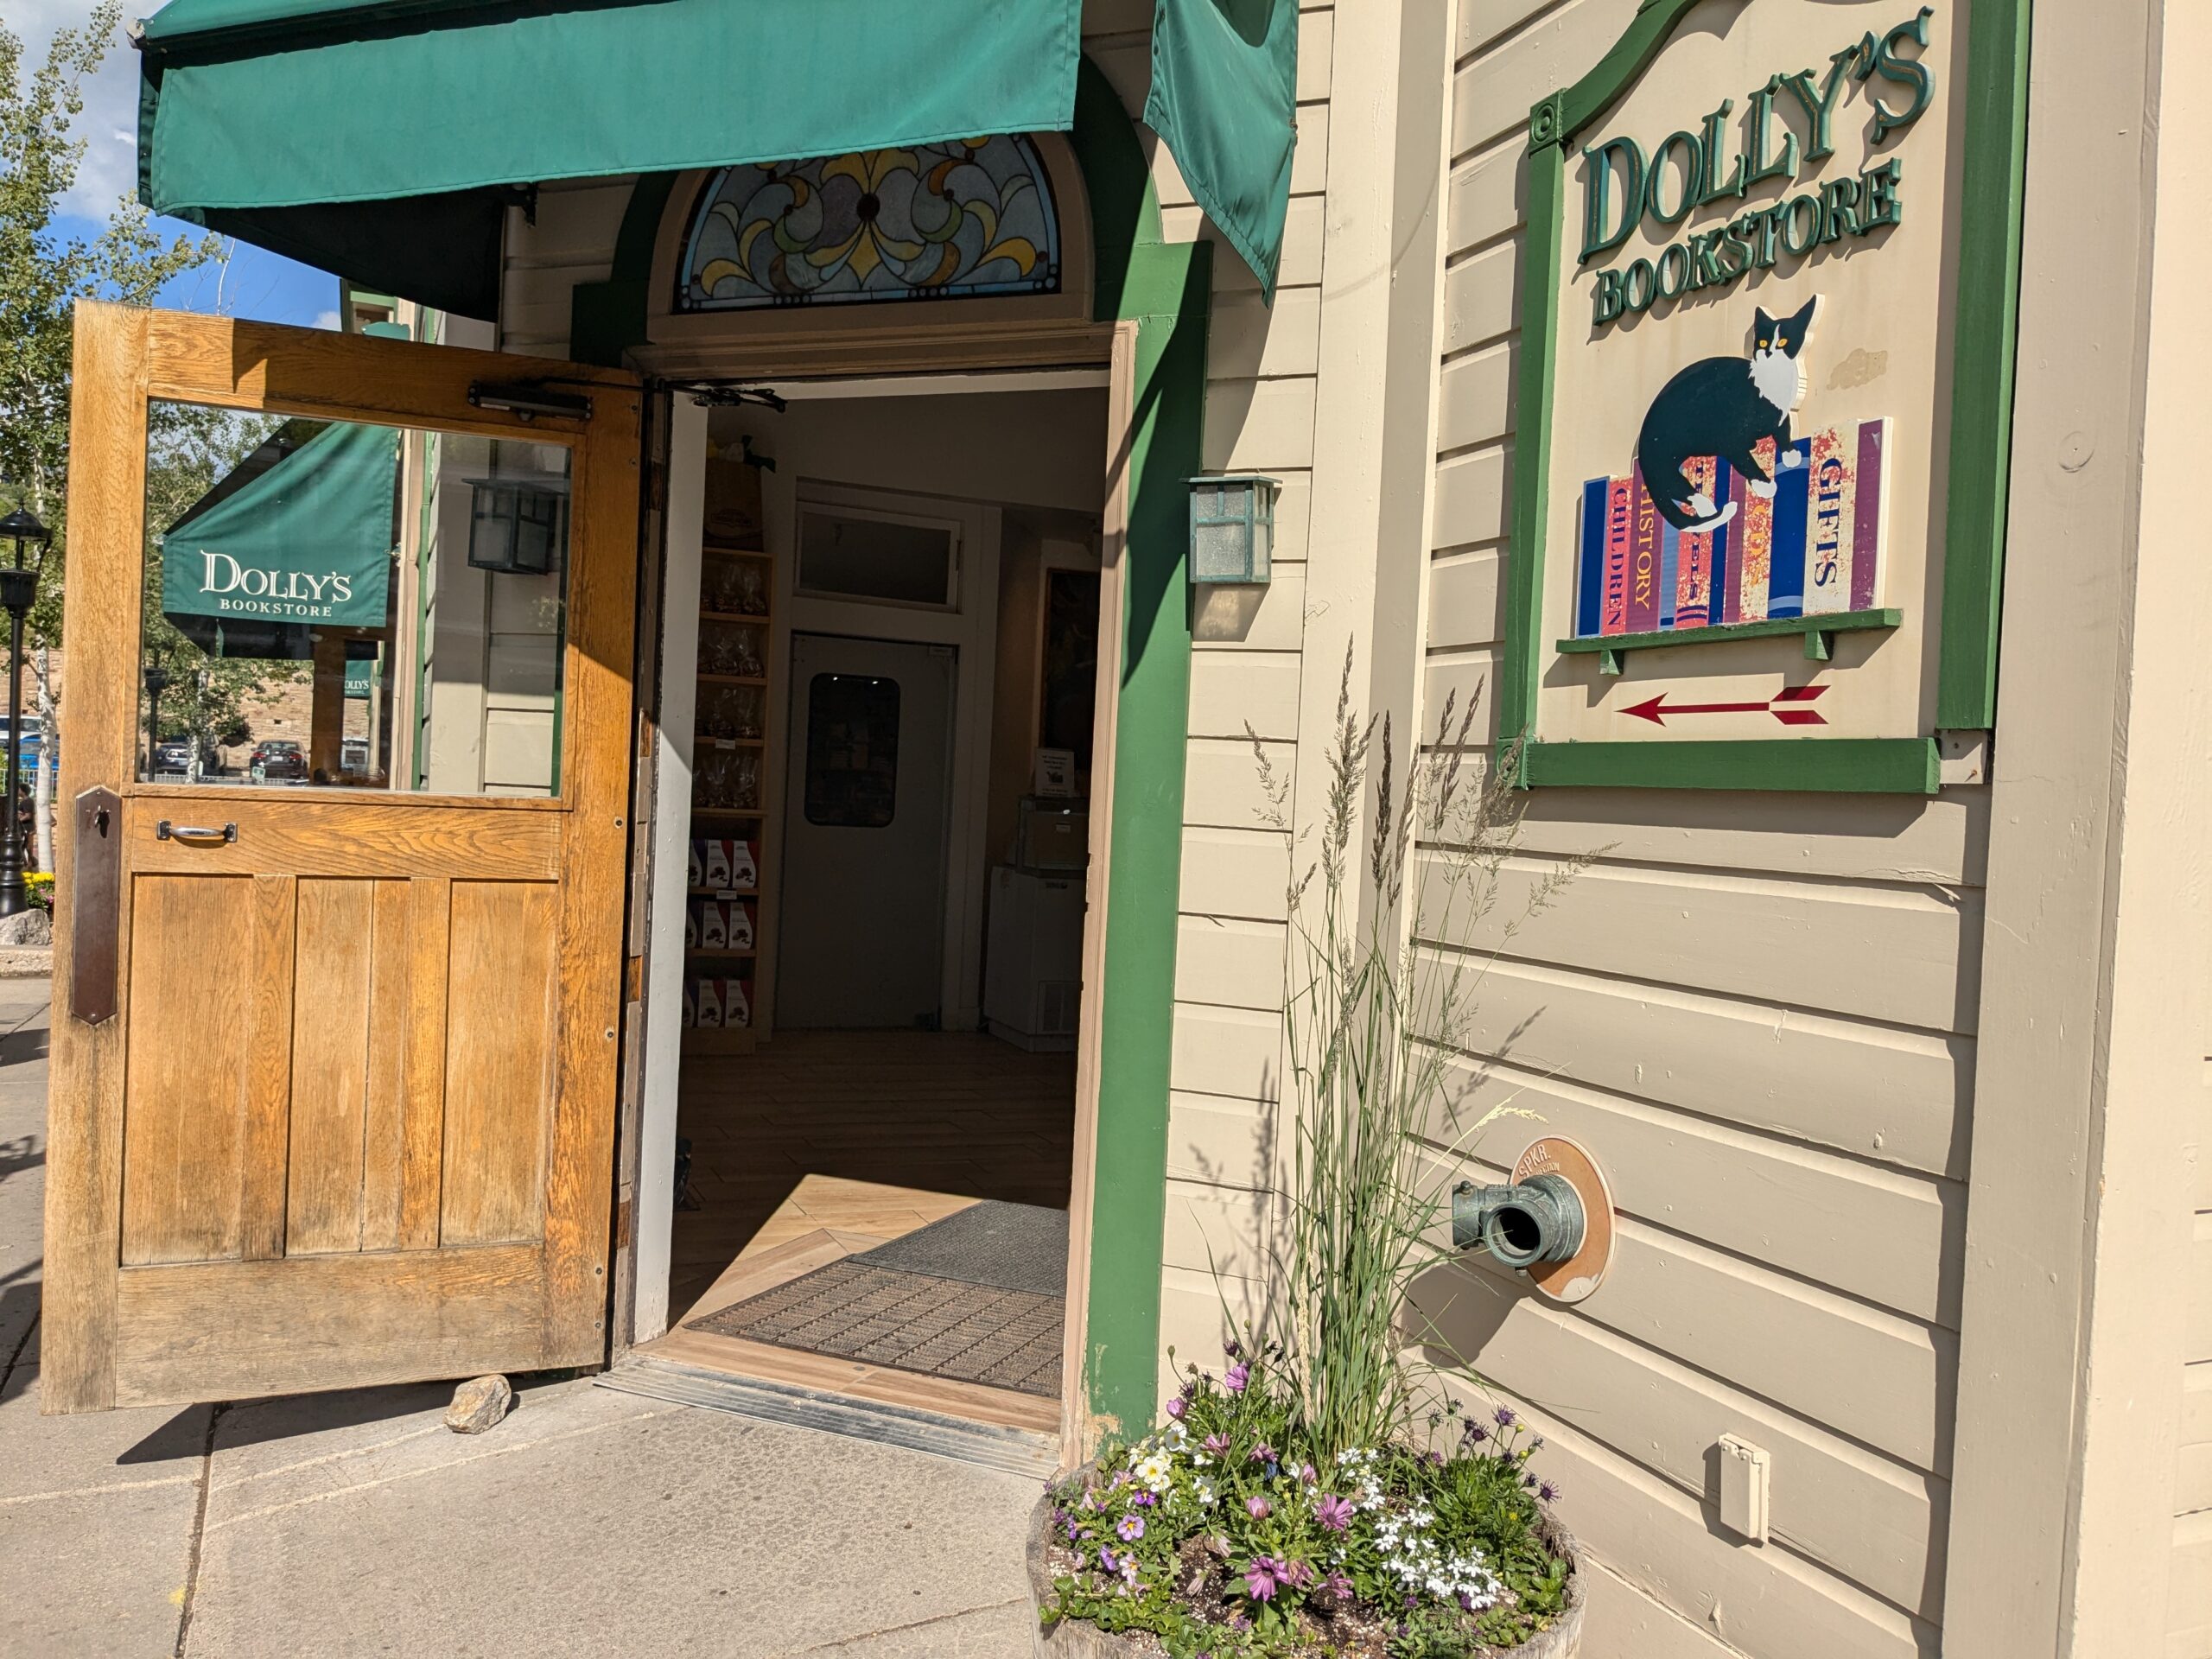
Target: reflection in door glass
point(852, 751)
point(338, 605)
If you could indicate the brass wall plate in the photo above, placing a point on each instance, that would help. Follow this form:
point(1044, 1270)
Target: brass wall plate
point(1574, 1279)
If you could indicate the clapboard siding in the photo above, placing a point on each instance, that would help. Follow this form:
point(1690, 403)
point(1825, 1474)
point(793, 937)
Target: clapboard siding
point(2193, 1463)
point(1222, 788)
point(1228, 964)
point(1903, 955)
point(1900, 1097)
point(1881, 1380)
point(2189, 1588)
point(571, 242)
point(1234, 693)
point(1869, 1518)
point(1875, 1233)
point(1670, 1547)
point(1218, 1141)
point(1757, 1011)
point(1491, 93)
point(1242, 873)
point(1224, 1051)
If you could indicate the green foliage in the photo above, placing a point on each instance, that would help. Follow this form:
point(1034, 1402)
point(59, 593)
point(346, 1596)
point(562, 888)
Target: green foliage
point(44, 272)
point(1377, 1036)
point(1228, 1531)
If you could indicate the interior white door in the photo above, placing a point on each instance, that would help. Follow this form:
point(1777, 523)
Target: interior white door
point(865, 809)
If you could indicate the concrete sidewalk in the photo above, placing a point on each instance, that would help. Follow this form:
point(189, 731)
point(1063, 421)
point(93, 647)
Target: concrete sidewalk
point(590, 1523)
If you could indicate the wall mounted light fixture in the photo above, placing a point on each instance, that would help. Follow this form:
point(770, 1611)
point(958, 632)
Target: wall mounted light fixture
point(1233, 528)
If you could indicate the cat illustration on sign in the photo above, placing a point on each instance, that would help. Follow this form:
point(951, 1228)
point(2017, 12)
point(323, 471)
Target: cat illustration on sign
point(1725, 407)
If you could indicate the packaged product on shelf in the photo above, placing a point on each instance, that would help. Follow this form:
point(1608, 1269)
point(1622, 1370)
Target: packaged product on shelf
point(697, 878)
point(737, 1009)
point(710, 1005)
point(690, 1006)
point(743, 873)
point(717, 864)
point(740, 927)
point(714, 925)
point(691, 925)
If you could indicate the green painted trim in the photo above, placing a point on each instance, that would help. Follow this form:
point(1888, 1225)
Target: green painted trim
point(606, 319)
point(1984, 359)
point(1833, 622)
point(1167, 295)
point(1883, 766)
point(1532, 454)
point(1629, 57)
point(1985, 354)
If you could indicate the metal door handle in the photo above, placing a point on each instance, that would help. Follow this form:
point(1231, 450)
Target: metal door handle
point(167, 831)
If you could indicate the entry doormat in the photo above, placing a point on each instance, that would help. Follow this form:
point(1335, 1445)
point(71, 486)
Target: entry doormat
point(979, 1297)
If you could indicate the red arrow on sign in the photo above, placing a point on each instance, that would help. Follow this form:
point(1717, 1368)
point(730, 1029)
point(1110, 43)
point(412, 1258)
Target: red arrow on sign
point(1657, 709)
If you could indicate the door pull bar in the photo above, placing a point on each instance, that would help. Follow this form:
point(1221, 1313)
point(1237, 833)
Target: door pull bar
point(167, 831)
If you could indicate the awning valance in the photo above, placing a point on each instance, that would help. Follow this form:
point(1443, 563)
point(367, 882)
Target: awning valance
point(261, 117)
point(385, 141)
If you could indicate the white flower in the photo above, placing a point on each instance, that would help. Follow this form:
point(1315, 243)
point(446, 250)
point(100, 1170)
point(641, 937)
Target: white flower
point(1206, 1495)
point(1154, 1470)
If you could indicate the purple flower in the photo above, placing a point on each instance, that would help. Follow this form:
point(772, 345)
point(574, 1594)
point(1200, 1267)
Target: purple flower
point(1547, 1491)
point(1339, 1586)
point(1529, 1481)
point(1334, 1513)
point(1507, 1417)
point(1107, 1561)
point(1218, 1444)
point(1296, 1574)
point(1145, 1500)
point(1310, 1475)
point(1475, 1432)
point(1263, 1453)
point(1258, 1581)
point(1256, 1508)
point(1239, 1375)
point(1233, 1348)
point(1129, 1529)
point(1177, 1406)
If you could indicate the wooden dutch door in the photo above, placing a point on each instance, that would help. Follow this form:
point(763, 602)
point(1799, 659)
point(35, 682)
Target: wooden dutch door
point(343, 794)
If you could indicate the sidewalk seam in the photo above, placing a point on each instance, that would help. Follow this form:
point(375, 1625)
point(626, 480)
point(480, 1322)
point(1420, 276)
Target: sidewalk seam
point(899, 1629)
point(199, 1529)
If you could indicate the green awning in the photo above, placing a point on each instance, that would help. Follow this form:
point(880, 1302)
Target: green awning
point(385, 141)
point(262, 117)
point(307, 540)
point(1225, 100)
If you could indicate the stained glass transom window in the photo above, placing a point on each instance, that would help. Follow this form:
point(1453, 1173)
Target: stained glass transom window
point(931, 221)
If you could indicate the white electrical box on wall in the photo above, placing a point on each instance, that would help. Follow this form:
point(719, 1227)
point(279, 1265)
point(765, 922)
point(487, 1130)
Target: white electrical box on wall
point(1743, 1488)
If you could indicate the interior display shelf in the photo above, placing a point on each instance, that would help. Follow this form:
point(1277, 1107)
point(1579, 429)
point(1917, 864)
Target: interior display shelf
point(723, 892)
point(710, 544)
point(726, 813)
point(706, 615)
point(731, 679)
point(730, 742)
point(702, 950)
point(1819, 632)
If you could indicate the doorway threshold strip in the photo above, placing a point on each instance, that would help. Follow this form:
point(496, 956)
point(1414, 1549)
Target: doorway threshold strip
point(1017, 1450)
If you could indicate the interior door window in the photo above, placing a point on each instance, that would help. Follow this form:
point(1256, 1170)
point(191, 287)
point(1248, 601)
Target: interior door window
point(852, 751)
point(328, 604)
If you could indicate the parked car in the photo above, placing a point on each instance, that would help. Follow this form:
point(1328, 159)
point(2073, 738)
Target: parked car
point(278, 757)
point(175, 755)
point(353, 756)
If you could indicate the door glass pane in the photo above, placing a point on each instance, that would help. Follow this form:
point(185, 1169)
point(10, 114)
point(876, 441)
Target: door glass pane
point(334, 605)
point(854, 556)
point(852, 751)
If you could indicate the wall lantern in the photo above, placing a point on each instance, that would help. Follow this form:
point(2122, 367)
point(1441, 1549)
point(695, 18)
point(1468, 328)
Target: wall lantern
point(515, 528)
point(1232, 527)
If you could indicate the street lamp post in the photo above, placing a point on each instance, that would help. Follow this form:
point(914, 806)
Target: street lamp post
point(18, 592)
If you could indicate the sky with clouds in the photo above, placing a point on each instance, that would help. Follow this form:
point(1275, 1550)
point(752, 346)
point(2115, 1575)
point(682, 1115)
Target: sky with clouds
point(252, 283)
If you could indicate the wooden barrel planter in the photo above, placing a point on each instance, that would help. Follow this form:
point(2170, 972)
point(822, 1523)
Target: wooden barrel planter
point(1076, 1639)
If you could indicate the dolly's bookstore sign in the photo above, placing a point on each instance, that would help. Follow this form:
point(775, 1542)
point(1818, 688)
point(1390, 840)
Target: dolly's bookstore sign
point(1741, 358)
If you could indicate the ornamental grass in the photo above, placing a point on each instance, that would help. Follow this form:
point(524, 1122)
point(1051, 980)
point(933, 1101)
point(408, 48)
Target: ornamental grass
point(1293, 1506)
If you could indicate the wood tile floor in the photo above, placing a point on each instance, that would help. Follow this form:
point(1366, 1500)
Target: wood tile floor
point(824, 1144)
